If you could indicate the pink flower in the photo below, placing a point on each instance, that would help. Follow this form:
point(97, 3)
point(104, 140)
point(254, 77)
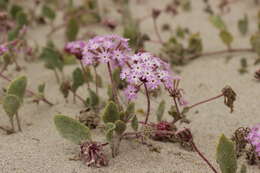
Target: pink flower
point(75, 48)
point(254, 138)
point(131, 92)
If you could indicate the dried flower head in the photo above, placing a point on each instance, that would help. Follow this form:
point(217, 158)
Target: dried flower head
point(254, 138)
point(92, 154)
point(229, 97)
point(257, 74)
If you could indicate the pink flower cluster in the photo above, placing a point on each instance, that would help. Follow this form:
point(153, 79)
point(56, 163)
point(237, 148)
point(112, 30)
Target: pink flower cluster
point(254, 138)
point(3, 49)
point(145, 68)
point(142, 68)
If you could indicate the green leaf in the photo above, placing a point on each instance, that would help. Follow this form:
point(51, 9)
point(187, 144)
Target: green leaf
point(120, 127)
point(130, 110)
point(111, 113)
point(110, 127)
point(255, 43)
point(195, 43)
point(217, 22)
point(110, 92)
point(14, 10)
point(72, 29)
point(48, 12)
point(93, 99)
point(13, 34)
point(41, 88)
point(226, 155)
point(89, 77)
point(78, 79)
point(160, 111)
point(226, 37)
point(21, 18)
point(132, 32)
point(52, 58)
point(17, 87)
point(134, 123)
point(72, 129)
point(11, 104)
point(243, 25)
point(3, 4)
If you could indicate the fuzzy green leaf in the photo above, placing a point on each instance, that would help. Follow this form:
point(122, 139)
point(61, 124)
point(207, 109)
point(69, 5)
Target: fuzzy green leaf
point(78, 79)
point(18, 87)
point(93, 99)
point(217, 22)
point(11, 104)
point(120, 127)
point(226, 37)
point(15, 9)
point(134, 123)
point(226, 155)
point(12, 35)
point(160, 111)
point(111, 113)
point(72, 129)
point(41, 88)
point(110, 127)
point(21, 18)
point(130, 110)
point(52, 58)
point(243, 25)
point(48, 12)
point(72, 29)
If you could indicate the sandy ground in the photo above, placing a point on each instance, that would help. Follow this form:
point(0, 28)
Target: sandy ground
point(40, 149)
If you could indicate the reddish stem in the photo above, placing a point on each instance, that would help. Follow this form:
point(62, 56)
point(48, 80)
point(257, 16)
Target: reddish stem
point(157, 31)
point(205, 101)
point(148, 104)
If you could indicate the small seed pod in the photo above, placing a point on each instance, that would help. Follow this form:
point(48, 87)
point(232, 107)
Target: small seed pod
point(229, 97)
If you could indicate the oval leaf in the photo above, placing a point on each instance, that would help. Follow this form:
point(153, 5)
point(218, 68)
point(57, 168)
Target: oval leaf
point(17, 87)
point(71, 129)
point(134, 123)
point(111, 113)
point(160, 111)
point(11, 104)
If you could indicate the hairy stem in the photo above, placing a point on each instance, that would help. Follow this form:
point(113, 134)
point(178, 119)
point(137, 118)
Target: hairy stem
point(205, 101)
point(85, 74)
point(148, 104)
point(96, 77)
point(203, 157)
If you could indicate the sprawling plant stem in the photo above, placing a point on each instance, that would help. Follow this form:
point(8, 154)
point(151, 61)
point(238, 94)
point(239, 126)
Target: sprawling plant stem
point(29, 91)
point(114, 88)
point(148, 104)
point(85, 74)
point(18, 122)
point(205, 101)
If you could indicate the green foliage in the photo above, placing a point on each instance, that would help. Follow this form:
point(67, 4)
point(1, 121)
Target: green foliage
point(11, 104)
point(134, 123)
point(15, 9)
point(3, 4)
point(41, 88)
point(13, 34)
point(226, 155)
point(72, 29)
point(226, 37)
point(18, 87)
point(72, 129)
point(52, 58)
point(110, 127)
point(195, 44)
point(132, 32)
point(243, 25)
point(78, 79)
point(130, 111)
point(217, 22)
point(93, 99)
point(21, 18)
point(111, 113)
point(160, 111)
point(89, 77)
point(255, 42)
point(48, 12)
point(120, 127)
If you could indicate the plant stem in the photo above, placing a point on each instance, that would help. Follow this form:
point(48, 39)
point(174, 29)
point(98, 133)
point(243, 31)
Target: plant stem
point(220, 52)
point(203, 157)
point(75, 95)
point(56, 75)
point(96, 79)
point(85, 74)
point(157, 31)
point(29, 91)
point(18, 122)
point(148, 104)
point(114, 91)
point(205, 101)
